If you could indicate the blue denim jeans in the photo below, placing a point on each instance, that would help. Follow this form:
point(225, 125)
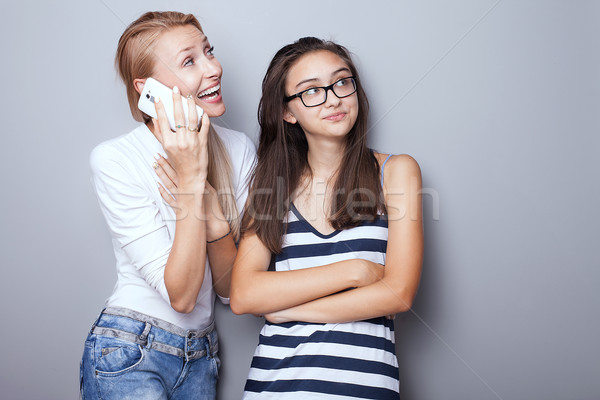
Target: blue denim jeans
point(129, 355)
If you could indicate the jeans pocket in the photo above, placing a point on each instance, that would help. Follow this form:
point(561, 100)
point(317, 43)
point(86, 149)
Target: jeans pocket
point(115, 356)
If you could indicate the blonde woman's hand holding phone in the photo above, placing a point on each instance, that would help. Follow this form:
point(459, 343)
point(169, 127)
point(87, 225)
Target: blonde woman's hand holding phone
point(187, 147)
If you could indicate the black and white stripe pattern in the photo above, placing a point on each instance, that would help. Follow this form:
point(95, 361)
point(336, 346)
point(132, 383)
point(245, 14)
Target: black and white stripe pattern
point(299, 360)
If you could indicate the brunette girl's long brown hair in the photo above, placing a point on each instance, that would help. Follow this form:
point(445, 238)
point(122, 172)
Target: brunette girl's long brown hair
point(282, 156)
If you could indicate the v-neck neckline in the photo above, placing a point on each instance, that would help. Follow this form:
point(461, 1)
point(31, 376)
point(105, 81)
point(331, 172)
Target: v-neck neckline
point(309, 225)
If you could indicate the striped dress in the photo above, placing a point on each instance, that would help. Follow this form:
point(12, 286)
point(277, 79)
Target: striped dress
point(300, 360)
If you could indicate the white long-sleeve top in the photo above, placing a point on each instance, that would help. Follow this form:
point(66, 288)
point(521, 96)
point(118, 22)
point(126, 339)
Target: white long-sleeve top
point(142, 225)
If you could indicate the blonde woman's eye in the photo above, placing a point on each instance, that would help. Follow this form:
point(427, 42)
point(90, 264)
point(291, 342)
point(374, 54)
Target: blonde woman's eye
point(189, 61)
point(211, 51)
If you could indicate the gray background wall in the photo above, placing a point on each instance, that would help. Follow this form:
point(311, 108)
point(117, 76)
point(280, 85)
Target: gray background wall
point(497, 100)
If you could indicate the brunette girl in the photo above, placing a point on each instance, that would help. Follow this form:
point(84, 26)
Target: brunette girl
point(331, 215)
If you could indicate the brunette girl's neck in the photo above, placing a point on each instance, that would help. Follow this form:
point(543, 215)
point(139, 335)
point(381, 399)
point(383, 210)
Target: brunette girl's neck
point(324, 159)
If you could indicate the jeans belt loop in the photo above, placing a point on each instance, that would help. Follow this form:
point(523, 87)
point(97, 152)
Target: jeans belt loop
point(187, 353)
point(144, 335)
point(96, 321)
point(208, 346)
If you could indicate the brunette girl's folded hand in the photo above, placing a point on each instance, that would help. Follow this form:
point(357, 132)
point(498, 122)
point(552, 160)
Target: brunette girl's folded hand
point(371, 272)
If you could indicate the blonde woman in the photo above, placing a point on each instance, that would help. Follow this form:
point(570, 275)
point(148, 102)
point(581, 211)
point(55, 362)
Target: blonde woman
point(155, 339)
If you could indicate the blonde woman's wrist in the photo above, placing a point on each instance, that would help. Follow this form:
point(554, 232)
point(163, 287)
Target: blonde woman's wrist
point(216, 230)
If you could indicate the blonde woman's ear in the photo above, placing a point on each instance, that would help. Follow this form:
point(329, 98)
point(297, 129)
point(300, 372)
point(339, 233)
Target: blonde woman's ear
point(139, 85)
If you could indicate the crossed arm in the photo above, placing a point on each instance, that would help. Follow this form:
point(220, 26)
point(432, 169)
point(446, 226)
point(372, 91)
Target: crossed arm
point(312, 295)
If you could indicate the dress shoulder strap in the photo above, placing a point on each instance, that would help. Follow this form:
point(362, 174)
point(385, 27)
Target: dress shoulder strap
point(383, 166)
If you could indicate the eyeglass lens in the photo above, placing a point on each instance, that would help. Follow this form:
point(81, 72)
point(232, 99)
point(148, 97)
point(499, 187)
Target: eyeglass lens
point(315, 96)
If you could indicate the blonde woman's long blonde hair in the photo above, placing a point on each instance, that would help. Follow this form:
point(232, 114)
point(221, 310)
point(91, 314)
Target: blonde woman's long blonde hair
point(135, 59)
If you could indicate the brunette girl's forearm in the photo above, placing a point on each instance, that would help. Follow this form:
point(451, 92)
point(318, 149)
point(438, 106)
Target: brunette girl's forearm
point(261, 292)
point(375, 300)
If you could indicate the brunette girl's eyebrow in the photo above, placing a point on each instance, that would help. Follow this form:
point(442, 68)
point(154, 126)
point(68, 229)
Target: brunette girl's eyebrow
point(337, 71)
point(306, 81)
point(343, 69)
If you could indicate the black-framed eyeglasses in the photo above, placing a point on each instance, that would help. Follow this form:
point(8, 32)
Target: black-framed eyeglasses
point(315, 96)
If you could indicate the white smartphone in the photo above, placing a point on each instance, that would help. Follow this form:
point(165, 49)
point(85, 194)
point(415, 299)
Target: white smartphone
point(153, 89)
